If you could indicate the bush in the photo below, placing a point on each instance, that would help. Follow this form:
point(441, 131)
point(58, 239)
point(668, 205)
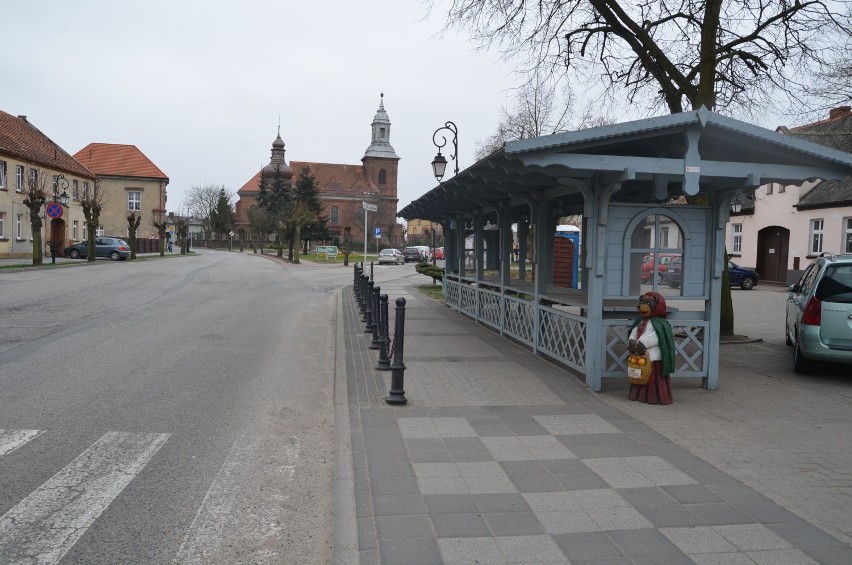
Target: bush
point(433, 271)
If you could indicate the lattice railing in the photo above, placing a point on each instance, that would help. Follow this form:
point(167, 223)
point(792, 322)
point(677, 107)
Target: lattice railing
point(690, 344)
point(467, 299)
point(451, 292)
point(519, 319)
point(489, 307)
point(563, 336)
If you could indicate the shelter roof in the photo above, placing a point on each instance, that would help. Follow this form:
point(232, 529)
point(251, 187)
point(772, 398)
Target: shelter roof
point(655, 159)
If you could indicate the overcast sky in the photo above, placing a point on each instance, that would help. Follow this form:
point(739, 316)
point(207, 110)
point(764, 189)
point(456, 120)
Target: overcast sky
point(199, 87)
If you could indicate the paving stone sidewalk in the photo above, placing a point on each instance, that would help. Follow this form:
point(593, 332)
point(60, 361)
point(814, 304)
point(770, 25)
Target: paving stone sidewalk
point(503, 457)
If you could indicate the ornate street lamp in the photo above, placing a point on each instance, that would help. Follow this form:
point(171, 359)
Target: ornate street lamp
point(63, 198)
point(439, 164)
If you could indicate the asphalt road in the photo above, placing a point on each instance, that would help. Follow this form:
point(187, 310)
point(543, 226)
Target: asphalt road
point(174, 410)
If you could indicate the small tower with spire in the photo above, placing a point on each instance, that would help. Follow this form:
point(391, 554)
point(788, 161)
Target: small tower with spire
point(276, 161)
point(381, 162)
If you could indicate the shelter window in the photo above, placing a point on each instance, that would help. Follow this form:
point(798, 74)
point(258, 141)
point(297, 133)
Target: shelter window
point(655, 244)
point(335, 215)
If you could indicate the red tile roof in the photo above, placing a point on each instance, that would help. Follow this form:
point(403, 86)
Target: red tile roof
point(20, 139)
point(331, 178)
point(112, 159)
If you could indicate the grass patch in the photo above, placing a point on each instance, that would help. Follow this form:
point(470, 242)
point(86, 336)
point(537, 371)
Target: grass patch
point(435, 291)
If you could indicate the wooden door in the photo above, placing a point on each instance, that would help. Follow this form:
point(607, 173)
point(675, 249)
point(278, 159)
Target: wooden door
point(773, 247)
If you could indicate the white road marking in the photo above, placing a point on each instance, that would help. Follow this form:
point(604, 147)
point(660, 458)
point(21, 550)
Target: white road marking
point(240, 516)
point(10, 440)
point(46, 524)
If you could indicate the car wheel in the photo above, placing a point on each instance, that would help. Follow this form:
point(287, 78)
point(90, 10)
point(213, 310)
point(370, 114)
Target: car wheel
point(747, 283)
point(787, 339)
point(673, 284)
point(75, 254)
point(659, 279)
point(114, 256)
point(800, 364)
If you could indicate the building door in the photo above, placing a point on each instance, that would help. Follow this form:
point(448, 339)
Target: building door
point(773, 246)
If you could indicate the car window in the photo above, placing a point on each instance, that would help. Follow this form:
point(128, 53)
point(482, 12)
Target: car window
point(836, 284)
point(808, 277)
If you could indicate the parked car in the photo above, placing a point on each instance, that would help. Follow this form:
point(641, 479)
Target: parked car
point(391, 256)
point(819, 313)
point(425, 252)
point(112, 247)
point(737, 276)
point(662, 266)
point(412, 254)
point(742, 277)
point(438, 252)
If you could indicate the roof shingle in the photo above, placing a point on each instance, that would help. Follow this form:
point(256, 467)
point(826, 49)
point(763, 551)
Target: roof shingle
point(112, 159)
point(20, 139)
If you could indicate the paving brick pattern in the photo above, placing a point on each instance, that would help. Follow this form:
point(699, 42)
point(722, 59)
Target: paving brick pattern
point(501, 457)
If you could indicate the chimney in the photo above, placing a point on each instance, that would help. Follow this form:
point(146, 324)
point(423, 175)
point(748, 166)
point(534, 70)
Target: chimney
point(22, 117)
point(839, 112)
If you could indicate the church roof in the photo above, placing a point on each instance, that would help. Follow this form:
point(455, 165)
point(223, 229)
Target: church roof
point(332, 179)
point(380, 145)
point(113, 159)
point(20, 139)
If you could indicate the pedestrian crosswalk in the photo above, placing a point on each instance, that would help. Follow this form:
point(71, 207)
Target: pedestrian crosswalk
point(241, 516)
point(47, 523)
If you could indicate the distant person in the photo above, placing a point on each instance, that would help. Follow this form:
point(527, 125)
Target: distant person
point(170, 246)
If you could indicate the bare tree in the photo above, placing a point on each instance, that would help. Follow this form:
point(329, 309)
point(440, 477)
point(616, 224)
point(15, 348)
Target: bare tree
point(35, 197)
point(133, 222)
point(92, 202)
point(202, 201)
point(677, 54)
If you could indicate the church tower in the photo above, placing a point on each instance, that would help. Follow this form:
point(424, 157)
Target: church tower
point(381, 163)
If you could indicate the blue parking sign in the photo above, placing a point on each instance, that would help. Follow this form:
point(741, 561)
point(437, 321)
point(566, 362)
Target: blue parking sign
point(377, 231)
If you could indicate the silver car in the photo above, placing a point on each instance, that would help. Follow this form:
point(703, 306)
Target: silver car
point(819, 313)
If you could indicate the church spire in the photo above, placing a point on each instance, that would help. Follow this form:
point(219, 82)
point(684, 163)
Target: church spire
point(380, 145)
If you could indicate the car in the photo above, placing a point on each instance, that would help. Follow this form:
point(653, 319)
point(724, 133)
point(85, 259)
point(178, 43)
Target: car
point(425, 252)
point(662, 265)
point(744, 278)
point(438, 253)
point(390, 256)
point(412, 254)
point(819, 313)
point(111, 247)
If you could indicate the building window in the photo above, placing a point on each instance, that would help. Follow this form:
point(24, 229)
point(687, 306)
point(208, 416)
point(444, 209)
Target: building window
point(19, 226)
point(85, 230)
point(3, 175)
point(383, 177)
point(335, 215)
point(74, 225)
point(847, 235)
point(736, 239)
point(75, 189)
point(100, 231)
point(381, 133)
point(55, 188)
point(33, 178)
point(85, 190)
point(19, 178)
point(134, 200)
point(816, 236)
point(2, 225)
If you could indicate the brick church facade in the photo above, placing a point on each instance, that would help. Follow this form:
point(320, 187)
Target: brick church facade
point(343, 188)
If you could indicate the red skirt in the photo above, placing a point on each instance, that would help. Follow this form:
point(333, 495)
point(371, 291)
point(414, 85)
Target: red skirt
point(657, 391)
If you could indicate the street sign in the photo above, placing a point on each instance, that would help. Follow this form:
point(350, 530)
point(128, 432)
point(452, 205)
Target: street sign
point(369, 207)
point(377, 231)
point(54, 210)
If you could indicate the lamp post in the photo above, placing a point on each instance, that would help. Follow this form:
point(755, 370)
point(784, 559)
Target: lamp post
point(439, 164)
point(58, 199)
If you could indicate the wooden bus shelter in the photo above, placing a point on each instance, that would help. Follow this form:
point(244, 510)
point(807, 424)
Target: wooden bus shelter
point(626, 184)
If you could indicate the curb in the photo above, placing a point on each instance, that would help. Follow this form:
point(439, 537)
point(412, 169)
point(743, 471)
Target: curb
point(345, 528)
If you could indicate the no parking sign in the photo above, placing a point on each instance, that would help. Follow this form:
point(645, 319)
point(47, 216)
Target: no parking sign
point(54, 210)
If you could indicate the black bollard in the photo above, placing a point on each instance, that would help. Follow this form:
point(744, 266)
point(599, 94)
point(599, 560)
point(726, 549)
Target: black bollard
point(364, 298)
point(368, 307)
point(355, 283)
point(397, 394)
point(377, 320)
point(383, 363)
point(371, 270)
